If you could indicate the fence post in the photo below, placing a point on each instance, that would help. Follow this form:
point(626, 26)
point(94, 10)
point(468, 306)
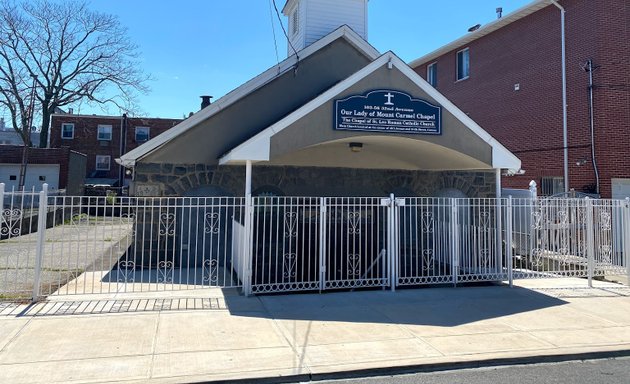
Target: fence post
point(41, 237)
point(322, 243)
point(533, 191)
point(454, 242)
point(508, 241)
point(392, 240)
point(247, 246)
point(590, 236)
point(626, 238)
point(499, 238)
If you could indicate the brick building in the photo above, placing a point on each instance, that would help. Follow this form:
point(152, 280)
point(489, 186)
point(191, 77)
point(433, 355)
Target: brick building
point(60, 168)
point(507, 76)
point(99, 137)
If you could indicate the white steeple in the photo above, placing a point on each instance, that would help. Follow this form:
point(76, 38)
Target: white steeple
point(310, 20)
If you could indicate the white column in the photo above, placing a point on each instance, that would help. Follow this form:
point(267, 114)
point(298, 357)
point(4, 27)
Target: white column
point(454, 241)
point(508, 241)
point(499, 221)
point(590, 239)
point(248, 237)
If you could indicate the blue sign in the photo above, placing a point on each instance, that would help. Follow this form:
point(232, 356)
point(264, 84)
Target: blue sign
point(387, 111)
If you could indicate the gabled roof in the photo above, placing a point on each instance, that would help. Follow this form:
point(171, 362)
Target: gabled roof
point(258, 147)
point(130, 158)
point(483, 31)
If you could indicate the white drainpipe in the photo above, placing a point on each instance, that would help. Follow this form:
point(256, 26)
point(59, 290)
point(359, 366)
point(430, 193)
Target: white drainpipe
point(564, 96)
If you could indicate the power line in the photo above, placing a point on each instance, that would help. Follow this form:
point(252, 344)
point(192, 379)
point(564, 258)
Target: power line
point(297, 58)
point(273, 30)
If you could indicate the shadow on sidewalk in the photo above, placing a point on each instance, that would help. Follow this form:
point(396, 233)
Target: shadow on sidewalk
point(422, 306)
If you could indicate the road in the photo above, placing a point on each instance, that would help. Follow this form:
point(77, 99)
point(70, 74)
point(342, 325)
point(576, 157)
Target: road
point(608, 371)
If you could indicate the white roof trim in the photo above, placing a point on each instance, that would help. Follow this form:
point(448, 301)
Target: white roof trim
point(130, 158)
point(257, 148)
point(483, 31)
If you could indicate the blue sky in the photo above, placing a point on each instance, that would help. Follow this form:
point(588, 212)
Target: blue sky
point(195, 47)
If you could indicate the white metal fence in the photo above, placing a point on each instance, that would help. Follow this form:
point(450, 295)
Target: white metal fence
point(61, 245)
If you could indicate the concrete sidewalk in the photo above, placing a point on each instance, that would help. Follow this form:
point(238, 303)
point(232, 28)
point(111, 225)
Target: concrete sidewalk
point(210, 335)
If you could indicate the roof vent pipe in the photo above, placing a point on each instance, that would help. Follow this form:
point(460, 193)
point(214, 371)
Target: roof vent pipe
point(499, 12)
point(205, 101)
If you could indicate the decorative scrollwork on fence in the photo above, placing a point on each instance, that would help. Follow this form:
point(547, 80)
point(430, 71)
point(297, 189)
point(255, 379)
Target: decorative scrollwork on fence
point(427, 222)
point(539, 218)
point(606, 254)
point(427, 257)
point(211, 271)
point(354, 265)
point(167, 224)
point(290, 224)
point(165, 271)
point(563, 219)
point(126, 270)
point(288, 265)
point(484, 257)
point(484, 221)
point(354, 219)
point(211, 223)
point(604, 221)
point(537, 257)
point(9, 225)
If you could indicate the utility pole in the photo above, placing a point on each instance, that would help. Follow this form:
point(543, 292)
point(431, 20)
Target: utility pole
point(27, 142)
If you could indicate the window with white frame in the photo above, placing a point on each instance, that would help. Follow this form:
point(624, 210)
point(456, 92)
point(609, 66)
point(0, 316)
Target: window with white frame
point(463, 64)
point(142, 134)
point(432, 74)
point(103, 163)
point(67, 131)
point(104, 132)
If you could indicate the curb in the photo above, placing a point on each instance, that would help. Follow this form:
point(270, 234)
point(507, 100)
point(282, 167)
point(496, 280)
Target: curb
point(424, 368)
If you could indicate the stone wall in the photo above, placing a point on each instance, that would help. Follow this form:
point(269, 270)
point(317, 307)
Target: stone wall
point(191, 180)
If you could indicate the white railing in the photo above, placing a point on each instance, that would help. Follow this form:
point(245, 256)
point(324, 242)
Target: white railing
point(62, 245)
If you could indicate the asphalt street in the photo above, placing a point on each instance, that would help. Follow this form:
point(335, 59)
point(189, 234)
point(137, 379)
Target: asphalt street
point(608, 371)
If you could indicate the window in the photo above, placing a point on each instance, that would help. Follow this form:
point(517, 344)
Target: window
point(295, 21)
point(42, 178)
point(463, 64)
point(103, 163)
point(12, 177)
point(142, 134)
point(67, 131)
point(432, 74)
point(104, 133)
point(551, 185)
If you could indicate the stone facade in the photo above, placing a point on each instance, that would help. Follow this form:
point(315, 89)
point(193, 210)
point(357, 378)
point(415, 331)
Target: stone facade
point(194, 179)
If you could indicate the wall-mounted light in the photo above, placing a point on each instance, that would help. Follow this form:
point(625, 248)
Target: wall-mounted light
point(355, 147)
point(581, 162)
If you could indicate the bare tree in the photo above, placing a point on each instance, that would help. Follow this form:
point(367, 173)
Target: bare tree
point(73, 53)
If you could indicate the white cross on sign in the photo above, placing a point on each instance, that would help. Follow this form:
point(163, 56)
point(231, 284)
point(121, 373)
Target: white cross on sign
point(389, 97)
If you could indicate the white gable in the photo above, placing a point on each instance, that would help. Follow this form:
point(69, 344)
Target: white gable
point(310, 20)
point(257, 148)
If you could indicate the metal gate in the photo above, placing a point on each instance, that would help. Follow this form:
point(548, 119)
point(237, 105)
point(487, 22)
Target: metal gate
point(302, 243)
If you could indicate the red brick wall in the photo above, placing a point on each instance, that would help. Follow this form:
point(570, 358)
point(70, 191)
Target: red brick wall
point(529, 122)
point(85, 136)
point(12, 154)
